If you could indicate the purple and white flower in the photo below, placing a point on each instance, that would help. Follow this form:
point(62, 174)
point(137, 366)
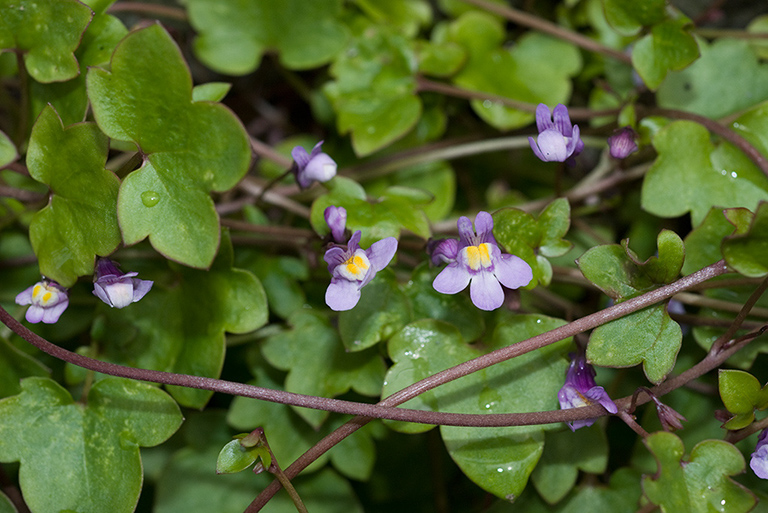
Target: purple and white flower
point(315, 166)
point(477, 261)
point(336, 219)
point(353, 268)
point(759, 461)
point(580, 390)
point(47, 300)
point(622, 143)
point(558, 140)
point(443, 251)
point(115, 288)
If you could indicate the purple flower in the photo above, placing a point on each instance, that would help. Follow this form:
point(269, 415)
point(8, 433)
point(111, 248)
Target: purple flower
point(336, 219)
point(443, 251)
point(622, 143)
point(580, 390)
point(116, 289)
point(478, 262)
point(558, 141)
point(316, 166)
point(759, 461)
point(47, 300)
point(353, 268)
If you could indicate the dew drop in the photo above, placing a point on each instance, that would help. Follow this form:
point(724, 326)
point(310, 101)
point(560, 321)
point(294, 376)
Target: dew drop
point(150, 198)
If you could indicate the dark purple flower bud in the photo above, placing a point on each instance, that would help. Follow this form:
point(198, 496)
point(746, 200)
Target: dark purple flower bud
point(336, 219)
point(558, 140)
point(670, 419)
point(759, 461)
point(116, 289)
point(580, 390)
point(315, 166)
point(47, 300)
point(622, 143)
point(442, 251)
point(353, 268)
point(479, 263)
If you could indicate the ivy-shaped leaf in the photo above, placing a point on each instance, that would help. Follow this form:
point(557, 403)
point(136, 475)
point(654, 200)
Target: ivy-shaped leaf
point(405, 15)
point(747, 252)
point(377, 219)
point(439, 59)
point(47, 32)
point(669, 47)
point(628, 17)
point(699, 484)
point(80, 222)
point(374, 91)
point(742, 395)
point(88, 455)
point(330, 371)
point(8, 151)
point(535, 239)
point(707, 87)
point(70, 98)
point(14, 365)
point(190, 148)
point(691, 174)
point(649, 336)
point(702, 244)
point(536, 70)
point(499, 460)
point(234, 34)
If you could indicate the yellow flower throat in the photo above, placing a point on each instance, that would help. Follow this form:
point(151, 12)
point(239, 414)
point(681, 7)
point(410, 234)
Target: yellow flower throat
point(478, 257)
point(355, 267)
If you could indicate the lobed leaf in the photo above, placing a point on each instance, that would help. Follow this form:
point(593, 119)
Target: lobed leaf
point(747, 252)
point(80, 221)
point(190, 148)
point(669, 47)
point(628, 17)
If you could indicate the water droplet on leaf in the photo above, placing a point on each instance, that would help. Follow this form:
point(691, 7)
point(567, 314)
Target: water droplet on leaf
point(150, 198)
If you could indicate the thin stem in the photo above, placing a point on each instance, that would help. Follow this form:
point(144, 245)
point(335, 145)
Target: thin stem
point(265, 151)
point(632, 423)
point(536, 23)
point(275, 469)
point(149, 10)
point(717, 304)
point(249, 185)
point(713, 33)
point(22, 195)
point(748, 307)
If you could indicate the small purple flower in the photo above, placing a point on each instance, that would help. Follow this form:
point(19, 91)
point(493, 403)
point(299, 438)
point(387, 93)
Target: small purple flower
point(336, 219)
point(558, 141)
point(580, 390)
point(116, 289)
point(759, 461)
point(47, 300)
point(622, 143)
point(353, 268)
point(478, 262)
point(315, 166)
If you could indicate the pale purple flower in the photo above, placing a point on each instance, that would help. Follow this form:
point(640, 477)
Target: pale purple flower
point(580, 390)
point(315, 166)
point(47, 300)
point(115, 288)
point(443, 251)
point(479, 263)
point(353, 268)
point(558, 141)
point(759, 461)
point(336, 219)
point(622, 143)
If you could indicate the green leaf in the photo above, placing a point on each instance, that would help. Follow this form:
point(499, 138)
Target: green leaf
point(691, 175)
point(565, 453)
point(628, 17)
point(707, 87)
point(15, 365)
point(8, 151)
point(407, 16)
point(374, 91)
point(649, 336)
point(234, 34)
point(330, 371)
point(6, 506)
point(279, 276)
point(235, 458)
point(666, 267)
point(190, 147)
point(382, 311)
point(97, 466)
point(210, 92)
point(439, 59)
point(377, 219)
point(80, 222)
point(741, 394)
point(534, 239)
point(537, 69)
point(699, 484)
point(669, 47)
point(748, 253)
point(614, 272)
point(702, 244)
point(497, 459)
point(47, 33)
